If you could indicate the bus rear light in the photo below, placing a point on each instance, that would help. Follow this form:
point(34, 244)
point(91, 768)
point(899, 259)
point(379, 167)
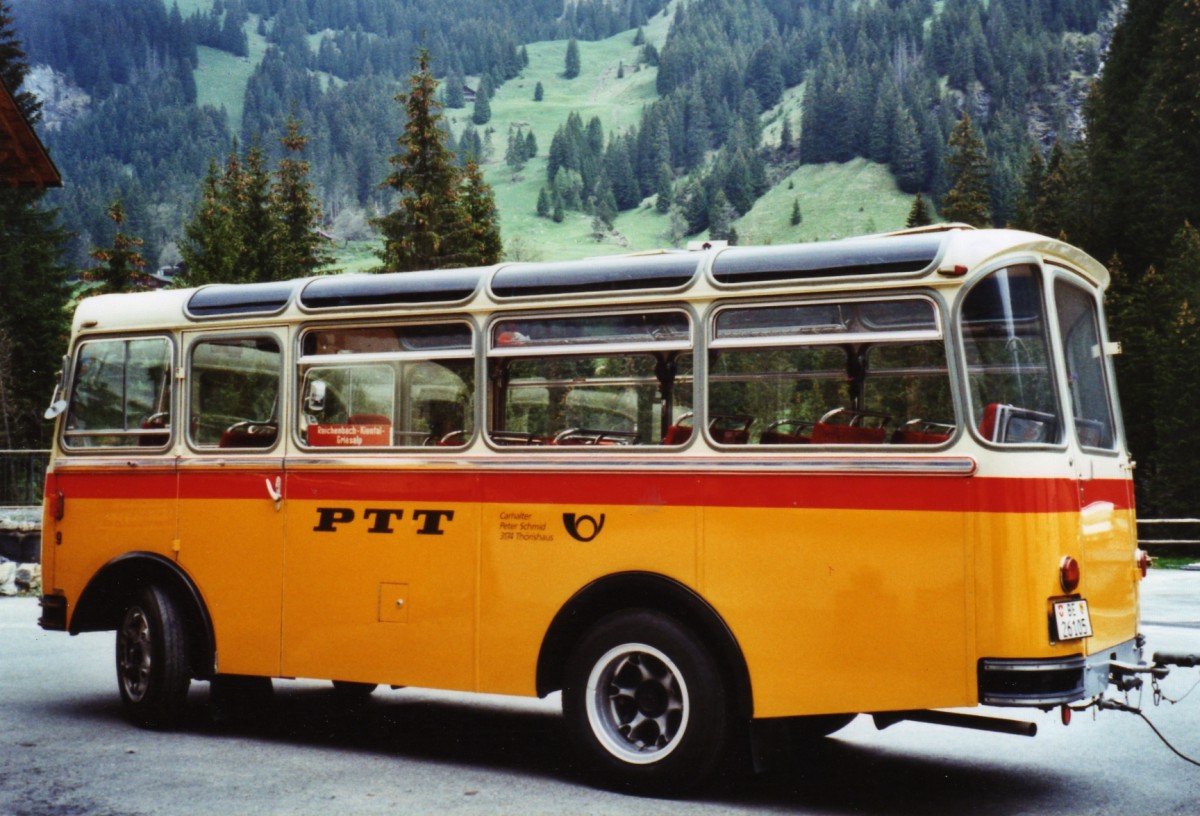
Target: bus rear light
point(1143, 560)
point(1068, 574)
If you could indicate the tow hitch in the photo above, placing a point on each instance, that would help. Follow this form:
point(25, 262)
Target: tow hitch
point(1129, 677)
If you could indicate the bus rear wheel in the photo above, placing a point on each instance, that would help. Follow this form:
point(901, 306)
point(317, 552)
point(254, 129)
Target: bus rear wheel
point(646, 705)
point(153, 674)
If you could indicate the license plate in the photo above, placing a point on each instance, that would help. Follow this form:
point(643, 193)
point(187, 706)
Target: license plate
point(1071, 620)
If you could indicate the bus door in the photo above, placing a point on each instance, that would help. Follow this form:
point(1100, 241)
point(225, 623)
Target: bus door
point(1101, 468)
point(231, 519)
point(383, 552)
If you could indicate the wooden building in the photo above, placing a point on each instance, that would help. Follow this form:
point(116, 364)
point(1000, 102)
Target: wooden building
point(24, 161)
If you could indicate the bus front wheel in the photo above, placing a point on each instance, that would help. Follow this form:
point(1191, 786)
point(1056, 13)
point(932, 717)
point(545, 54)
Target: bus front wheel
point(152, 666)
point(646, 705)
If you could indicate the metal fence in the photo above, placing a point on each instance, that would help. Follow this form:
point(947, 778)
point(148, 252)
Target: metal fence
point(22, 476)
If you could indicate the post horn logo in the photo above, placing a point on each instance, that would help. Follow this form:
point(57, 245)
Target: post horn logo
point(583, 528)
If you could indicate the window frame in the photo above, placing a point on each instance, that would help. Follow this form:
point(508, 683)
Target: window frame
point(173, 399)
point(1069, 277)
point(939, 334)
point(303, 362)
point(278, 334)
point(493, 351)
point(1049, 337)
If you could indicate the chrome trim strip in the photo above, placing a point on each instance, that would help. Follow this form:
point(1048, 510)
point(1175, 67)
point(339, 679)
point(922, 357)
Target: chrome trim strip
point(954, 466)
point(63, 463)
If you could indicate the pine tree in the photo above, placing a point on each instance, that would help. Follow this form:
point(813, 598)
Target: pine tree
point(480, 206)
point(797, 217)
point(514, 153)
point(33, 280)
point(212, 238)
point(538, 92)
point(454, 92)
point(908, 159)
point(764, 74)
point(1176, 367)
point(968, 200)
point(787, 142)
point(572, 67)
point(720, 217)
point(300, 249)
point(120, 267)
point(429, 228)
point(664, 189)
point(254, 217)
point(1050, 204)
point(543, 203)
point(919, 215)
point(482, 113)
point(1031, 191)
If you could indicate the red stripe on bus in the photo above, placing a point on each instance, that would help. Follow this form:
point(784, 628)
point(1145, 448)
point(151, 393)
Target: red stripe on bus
point(115, 484)
point(836, 492)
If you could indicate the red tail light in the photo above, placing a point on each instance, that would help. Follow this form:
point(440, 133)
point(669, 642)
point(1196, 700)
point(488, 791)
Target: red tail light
point(1068, 574)
point(1143, 562)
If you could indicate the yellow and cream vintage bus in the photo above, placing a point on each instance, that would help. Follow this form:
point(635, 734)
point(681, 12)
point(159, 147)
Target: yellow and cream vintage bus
point(712, 497)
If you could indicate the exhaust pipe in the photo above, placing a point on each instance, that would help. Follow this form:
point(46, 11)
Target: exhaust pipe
point(996, 725)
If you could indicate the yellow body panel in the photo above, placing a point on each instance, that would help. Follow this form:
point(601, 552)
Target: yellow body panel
point(528, 577)
point(233, 549)
point(340, 614)
point(834, 606)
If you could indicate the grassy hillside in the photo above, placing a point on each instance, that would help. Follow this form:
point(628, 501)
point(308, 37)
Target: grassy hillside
point(221, 77)
point(835, 200)
point(595, 92)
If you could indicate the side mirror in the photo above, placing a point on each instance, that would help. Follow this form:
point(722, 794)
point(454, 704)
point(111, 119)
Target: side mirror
point(314, 402)
point(58, 403)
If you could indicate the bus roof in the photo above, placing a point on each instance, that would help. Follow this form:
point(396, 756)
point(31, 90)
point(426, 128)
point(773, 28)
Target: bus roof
point(931, 254)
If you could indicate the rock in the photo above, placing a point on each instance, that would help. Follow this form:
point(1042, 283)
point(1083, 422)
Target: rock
point(8, 577)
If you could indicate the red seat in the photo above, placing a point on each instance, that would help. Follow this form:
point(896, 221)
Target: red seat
point(773, 435)
point(853, 430)
point(730, 429)
point(825, 433)
point(677, 434)
point(987, 425)
point(922, 432)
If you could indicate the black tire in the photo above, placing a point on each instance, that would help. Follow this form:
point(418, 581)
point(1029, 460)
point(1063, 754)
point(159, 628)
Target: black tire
point(646, 705)
point(153, 673)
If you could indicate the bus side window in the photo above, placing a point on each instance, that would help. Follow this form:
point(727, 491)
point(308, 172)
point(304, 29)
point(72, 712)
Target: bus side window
point(601, 380)
point(786, 391)
point(121, 394)
point(911, 383)
point(379, 386)
point(233, 401)
point(568, 400)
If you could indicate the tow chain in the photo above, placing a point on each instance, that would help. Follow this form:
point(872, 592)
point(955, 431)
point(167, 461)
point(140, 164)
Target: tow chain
point(1127, 681)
